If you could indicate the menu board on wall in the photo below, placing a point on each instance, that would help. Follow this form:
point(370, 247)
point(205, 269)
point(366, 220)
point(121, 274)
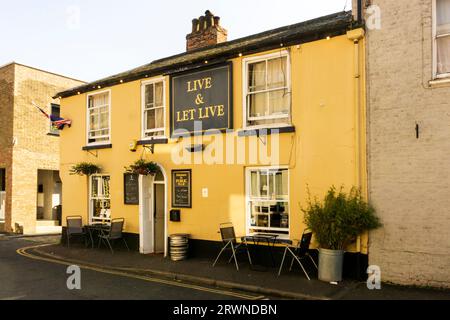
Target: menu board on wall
point(131, 188)
point(181, 189)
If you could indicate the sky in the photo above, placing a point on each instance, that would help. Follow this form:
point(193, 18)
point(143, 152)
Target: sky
point(93, 39)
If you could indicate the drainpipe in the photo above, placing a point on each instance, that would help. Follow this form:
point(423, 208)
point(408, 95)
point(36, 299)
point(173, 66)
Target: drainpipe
point(359, 9)
point(356, 36)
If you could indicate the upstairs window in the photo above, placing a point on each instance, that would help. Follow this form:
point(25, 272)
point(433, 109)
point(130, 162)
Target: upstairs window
point(99, 118)
point(153, 109)
point(267, 91)
point(442, 38)
point(55, 109)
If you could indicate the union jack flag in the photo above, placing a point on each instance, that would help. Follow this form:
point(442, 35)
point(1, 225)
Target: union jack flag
point(58, 122)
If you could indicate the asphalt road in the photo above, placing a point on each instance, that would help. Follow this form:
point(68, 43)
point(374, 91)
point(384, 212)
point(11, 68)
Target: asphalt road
point(25, 278)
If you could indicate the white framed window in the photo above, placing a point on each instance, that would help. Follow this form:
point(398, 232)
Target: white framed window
point(441, 35)
point(99, 117)
point(99, 198)
point(153, 109)
point(267, 197)
point(267, 91)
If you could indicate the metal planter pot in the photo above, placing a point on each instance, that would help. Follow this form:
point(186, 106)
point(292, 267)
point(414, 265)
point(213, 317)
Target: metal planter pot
point(331, 263)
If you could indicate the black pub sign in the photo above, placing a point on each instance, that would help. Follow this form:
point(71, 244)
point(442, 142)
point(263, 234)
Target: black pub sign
point(181, 189)
point(202, 96)
point(131, 188)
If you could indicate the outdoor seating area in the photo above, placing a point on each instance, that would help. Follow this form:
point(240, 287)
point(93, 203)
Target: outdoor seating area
point(97, 233)
point(297, 252)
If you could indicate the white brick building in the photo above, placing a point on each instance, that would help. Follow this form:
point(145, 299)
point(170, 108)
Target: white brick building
point(408, 64)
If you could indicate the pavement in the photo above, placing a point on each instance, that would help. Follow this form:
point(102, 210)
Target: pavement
point(262, 282)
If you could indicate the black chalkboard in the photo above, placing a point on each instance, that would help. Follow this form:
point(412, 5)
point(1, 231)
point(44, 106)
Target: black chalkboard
point(131, 188)
point(181, 189)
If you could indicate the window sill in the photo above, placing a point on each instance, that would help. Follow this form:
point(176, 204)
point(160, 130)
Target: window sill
point(209, 132)
point(439, 82)
point(53, 134)
point(96, 147)
point(152, 141)
point(265, 131)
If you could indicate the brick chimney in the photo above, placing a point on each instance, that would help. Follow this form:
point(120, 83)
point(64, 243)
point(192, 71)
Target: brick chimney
point(206, 31)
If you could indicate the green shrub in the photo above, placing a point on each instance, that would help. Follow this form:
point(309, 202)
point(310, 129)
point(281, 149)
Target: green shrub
point(143, 167)
point(340, 218)
point(85, 168)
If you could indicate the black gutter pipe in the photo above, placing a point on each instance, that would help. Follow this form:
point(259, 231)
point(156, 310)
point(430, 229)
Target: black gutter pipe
point(359, 11)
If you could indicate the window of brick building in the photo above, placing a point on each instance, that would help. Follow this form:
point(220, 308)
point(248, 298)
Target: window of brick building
point(2, 180)
point(55, 111)
point(442, 38)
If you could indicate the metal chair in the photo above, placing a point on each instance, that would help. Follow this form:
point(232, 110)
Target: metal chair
point(299, 253)
point(229, 242)
point(75, 228)
point(114, 233)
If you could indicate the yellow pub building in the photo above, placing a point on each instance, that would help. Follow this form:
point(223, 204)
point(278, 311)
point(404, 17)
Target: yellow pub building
point(240, 131)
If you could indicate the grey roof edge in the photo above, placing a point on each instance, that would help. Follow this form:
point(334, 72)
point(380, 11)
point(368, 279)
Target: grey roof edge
point(307, 31)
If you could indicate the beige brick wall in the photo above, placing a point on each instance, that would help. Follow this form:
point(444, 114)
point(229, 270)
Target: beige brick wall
point(409, 178)
point(6, 126)
point(33, 148)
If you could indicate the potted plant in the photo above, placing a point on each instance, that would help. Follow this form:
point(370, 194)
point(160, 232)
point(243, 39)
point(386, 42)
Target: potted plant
point(85, 168)
point(336, 223)
point(143, 167)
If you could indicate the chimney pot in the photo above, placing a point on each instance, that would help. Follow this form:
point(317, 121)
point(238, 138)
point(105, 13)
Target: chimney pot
point(206, 31)
point(194, 25)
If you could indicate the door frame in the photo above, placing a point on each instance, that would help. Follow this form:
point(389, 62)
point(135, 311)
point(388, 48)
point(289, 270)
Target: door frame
point(151, 208)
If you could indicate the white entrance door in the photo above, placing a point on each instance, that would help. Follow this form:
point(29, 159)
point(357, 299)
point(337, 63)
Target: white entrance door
point(159, 216)
point(152, 213)
point(145, 214)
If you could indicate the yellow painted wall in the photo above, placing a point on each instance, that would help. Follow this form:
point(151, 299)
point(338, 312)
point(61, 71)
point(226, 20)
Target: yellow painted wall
point(319, 154)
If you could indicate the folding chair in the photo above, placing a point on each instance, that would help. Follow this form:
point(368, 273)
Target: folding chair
point(299, 253)
point(75, 228)
point(114, 233)
point(230, 243)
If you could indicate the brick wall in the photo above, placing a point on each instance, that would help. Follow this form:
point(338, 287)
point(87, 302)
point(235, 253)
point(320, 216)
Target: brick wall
point(206, 31)
point(409, 178)
point(33, 149)
point(6, 126)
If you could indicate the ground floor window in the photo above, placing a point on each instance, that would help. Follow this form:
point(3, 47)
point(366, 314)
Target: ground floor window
point(2, 179)
point(2, 193)
point(268, 200)
point(100, 198)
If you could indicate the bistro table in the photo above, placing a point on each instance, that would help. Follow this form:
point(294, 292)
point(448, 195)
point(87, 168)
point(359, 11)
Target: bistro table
point(257, 238)
point(96, 228)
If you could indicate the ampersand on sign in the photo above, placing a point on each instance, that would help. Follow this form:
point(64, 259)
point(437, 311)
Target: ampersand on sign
point(199, 100)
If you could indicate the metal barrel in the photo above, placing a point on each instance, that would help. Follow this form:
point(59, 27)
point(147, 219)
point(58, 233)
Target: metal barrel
point(179, 246)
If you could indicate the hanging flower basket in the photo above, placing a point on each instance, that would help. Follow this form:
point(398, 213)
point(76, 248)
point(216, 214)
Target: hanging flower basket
point(143, 167)
point(85, 169)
